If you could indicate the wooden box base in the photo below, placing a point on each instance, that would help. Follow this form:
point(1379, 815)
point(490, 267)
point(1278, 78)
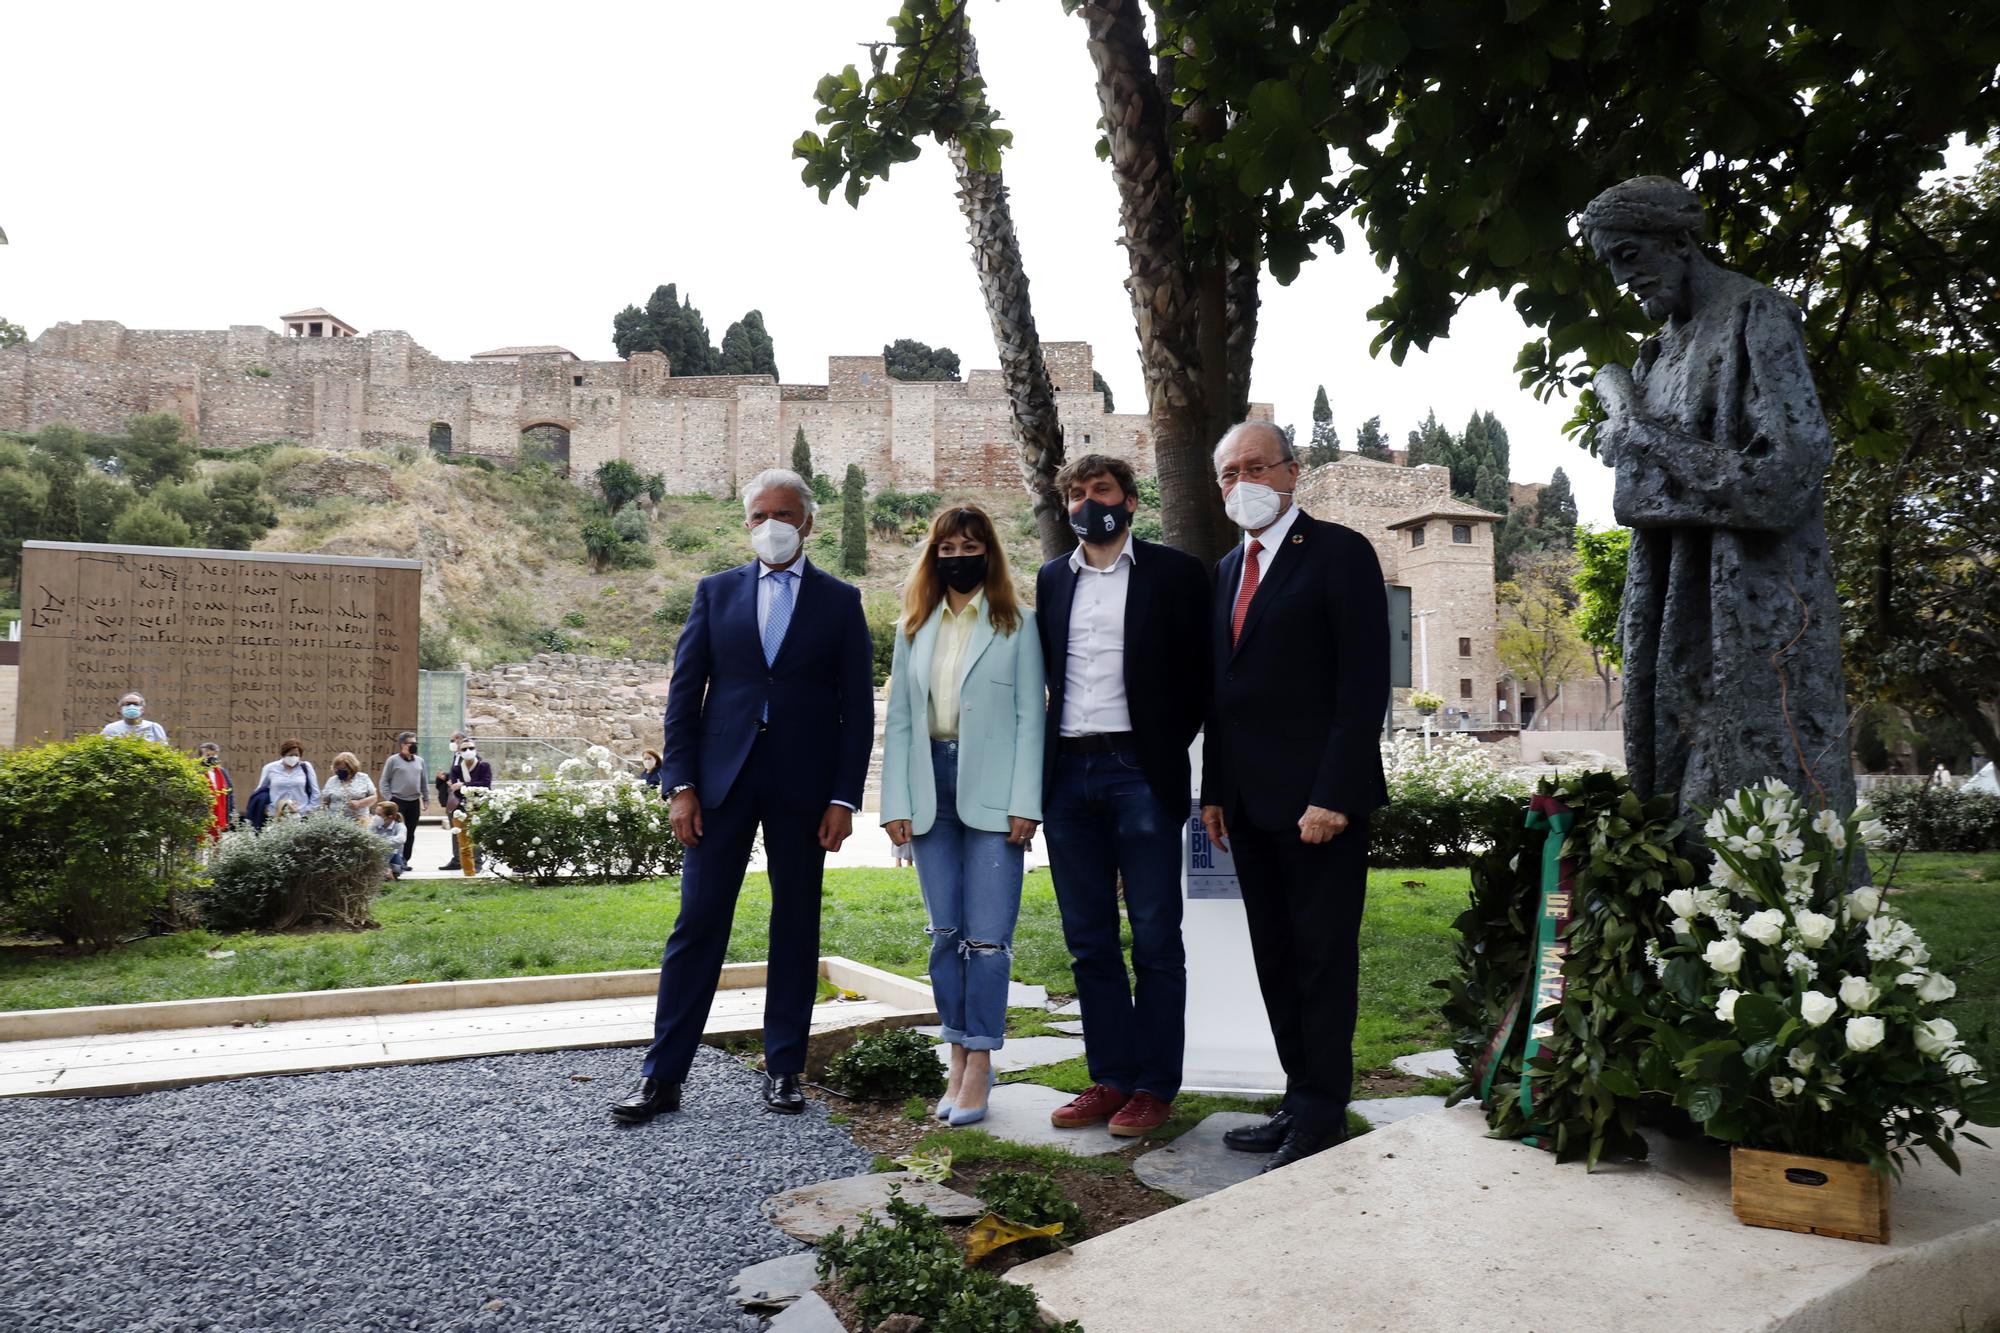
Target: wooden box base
point(1811, 1194)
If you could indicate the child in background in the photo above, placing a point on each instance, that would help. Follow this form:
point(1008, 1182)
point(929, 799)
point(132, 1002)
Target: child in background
point(387, 824)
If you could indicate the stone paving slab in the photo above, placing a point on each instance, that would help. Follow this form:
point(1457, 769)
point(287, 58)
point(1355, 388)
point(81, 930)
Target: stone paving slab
point(1198, 1163)
point(1073, 1009)
point(1026, 1053)
point(1073, 1026)
point(1019, 1113)
point(1428, 1064)
point(810, 1315)
point(814, 1212)
point(1020, 995)
point(775, 1283)
point(1431, 1200)
point(1380, 1111)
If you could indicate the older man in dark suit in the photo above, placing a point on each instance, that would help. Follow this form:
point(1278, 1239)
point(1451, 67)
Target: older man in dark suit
point(770, 714)
point(1291, 769)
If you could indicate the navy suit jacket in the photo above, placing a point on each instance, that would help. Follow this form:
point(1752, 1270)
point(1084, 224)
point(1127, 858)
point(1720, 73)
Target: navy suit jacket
point(820, 691)
point(1296, 715)
point(1166, 660)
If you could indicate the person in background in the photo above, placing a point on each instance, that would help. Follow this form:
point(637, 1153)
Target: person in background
point(449, 780)
point(132, 721)
point(962, 780)
point(289, 778)
point(387, 824)
point(402, 781)
point(348, 793)
point(468, 772)
point(649, 769)
point(443, 779)
point(210, 755)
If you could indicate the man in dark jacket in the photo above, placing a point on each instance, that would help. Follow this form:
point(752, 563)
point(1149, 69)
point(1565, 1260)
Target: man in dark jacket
point(1292, 767)
point(1124, 648)
point(770, 717)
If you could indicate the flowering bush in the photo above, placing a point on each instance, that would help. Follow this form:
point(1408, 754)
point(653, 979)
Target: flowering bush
point(1442, 805)
point(1800, 1009)
point(1426, 702)
point(614, 826)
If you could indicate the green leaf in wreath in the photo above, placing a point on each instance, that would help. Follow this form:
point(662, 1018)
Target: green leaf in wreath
point(1759, 1017)
point(1700, 1100)
point(1617, 1082)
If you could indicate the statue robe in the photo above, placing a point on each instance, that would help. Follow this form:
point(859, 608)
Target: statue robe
point(1730, 623)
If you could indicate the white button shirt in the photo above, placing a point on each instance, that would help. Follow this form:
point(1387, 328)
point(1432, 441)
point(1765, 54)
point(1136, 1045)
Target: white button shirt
point(1094, 672)
point(1270, 539)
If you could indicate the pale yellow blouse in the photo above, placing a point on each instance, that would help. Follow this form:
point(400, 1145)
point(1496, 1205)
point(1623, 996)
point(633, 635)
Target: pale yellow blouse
point(954, 633)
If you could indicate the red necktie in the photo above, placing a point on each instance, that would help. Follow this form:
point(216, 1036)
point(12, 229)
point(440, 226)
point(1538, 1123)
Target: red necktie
point(1246, 592)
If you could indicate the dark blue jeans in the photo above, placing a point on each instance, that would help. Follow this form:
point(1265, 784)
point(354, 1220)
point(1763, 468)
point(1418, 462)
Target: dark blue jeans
point(1104, 821)
point(971, 882)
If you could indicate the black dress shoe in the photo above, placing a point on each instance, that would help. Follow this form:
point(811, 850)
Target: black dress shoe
point(783, 1094)
point(1303, 1143)
point(1259, 1138)
point(648, 1097)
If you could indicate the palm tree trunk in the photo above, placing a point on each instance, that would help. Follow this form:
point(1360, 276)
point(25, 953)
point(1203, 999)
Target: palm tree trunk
point(1165, 305)
point(1003, 281)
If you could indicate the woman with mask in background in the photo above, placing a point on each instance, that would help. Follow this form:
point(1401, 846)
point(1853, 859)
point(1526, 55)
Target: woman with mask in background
point(348, 793)
point(962, 780)
point(290, 778)
point(210, 755)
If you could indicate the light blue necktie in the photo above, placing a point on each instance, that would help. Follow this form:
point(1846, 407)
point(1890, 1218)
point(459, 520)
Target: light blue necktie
point(777, 622)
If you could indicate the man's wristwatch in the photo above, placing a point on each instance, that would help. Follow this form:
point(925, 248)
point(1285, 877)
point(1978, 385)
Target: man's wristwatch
point(678, 788)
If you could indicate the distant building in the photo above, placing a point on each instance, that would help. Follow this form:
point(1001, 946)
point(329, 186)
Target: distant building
point(318, 323)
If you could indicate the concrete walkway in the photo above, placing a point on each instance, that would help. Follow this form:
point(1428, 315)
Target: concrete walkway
point(1429, 1225)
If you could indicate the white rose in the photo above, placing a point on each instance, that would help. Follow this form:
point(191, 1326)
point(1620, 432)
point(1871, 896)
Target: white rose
point(1858, 994)
point(1864, 1034)
point(1801, 1059)
point(1814, 928)
point(1960, 1064)
point(1785, 1087)
point(1862, 903)
point(1681, 903)
point(1936, 987)
point(1725, 956)
point(1683, 927)
point(1725, 1005)
point(1937, 1036)
point(1816, 1007)
point(1765, 927)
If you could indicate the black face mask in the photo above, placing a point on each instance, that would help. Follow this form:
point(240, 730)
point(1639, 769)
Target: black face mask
point(1098, 523)
point(343, 772)
point(962, 573)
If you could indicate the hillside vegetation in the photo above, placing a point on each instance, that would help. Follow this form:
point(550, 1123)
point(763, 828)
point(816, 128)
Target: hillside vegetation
point(517, 560)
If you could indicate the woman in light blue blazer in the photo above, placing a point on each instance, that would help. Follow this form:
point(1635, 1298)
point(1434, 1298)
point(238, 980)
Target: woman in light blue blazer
point(962, 779)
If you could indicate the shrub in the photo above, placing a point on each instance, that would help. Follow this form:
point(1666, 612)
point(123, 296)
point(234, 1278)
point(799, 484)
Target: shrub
point(322, 869)
point(1924, 818)
point(631, 525)
point(591, 819)
point(722, 561)
point(436, 649)
point(620, 483)
point(148, 524)
point(600, 541)
point(675, 605)
point(1032, 1199)
point(573, 619)
point(910, 1265)
point(1443, 806)
point(550, 639)
point(685, 537)
point(888, 1066)
point(100, 833)
point(882, 610)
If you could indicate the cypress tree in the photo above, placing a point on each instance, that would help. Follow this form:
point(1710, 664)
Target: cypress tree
point(854, 522)
point(1369, 442)
point(802, 455)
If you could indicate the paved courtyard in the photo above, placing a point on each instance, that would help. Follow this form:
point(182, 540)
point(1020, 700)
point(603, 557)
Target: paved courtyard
point(476, 1194)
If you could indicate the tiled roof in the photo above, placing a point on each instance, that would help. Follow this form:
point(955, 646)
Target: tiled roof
point(1448, 509)
point(547, 350)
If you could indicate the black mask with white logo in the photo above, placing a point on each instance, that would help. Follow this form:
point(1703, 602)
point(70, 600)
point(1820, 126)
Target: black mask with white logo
point(962, 573)
point(1098, 523)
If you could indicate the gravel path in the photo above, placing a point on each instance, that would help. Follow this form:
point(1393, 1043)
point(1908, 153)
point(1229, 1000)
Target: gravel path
point(476, 1194)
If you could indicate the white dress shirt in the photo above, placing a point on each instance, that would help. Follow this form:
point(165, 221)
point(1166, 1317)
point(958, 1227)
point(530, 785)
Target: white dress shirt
point(1270, 539)
point(1094, 671)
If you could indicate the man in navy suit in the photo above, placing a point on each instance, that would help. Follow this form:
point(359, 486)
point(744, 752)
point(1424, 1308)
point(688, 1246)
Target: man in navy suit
point(770, 715)
point(1124, 626)
point(1291, 769)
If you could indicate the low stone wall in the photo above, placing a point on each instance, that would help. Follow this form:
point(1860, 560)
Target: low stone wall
point(619, 702)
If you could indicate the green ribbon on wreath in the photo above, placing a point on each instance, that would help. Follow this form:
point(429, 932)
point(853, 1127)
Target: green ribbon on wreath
point(1541, 988)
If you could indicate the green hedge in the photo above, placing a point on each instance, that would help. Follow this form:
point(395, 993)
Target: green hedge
point(98, 836)
point(1937, 819)
point(322, 869)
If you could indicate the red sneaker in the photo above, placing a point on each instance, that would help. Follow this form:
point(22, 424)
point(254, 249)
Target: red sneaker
point(1097, 1105)
point(1142, 1115)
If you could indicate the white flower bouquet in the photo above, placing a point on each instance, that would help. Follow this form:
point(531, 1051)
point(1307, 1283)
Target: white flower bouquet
point(1799, 1011)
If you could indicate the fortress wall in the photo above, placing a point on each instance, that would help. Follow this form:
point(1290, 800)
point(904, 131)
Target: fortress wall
point(233, 409)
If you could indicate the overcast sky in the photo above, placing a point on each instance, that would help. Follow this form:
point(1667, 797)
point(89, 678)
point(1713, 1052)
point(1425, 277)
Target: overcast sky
point(483, 175)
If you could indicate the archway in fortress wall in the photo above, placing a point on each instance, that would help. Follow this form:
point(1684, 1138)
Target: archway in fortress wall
point(546, 442)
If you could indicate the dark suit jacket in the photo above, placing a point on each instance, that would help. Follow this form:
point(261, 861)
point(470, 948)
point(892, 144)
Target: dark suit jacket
point(1296, 717)
point(1166, 662)
point(820, 690)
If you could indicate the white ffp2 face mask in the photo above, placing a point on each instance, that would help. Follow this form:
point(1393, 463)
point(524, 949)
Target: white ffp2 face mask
point(775, 542)
point(1252, 505)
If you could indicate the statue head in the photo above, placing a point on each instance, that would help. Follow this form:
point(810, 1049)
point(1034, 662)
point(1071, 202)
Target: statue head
point(1647, 230)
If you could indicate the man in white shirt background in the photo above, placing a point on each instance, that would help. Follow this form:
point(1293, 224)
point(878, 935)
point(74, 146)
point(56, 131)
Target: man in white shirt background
point(1124, 635)
point(133, 722)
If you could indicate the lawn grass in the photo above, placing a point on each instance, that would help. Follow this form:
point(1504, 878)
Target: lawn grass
point(1953, 899)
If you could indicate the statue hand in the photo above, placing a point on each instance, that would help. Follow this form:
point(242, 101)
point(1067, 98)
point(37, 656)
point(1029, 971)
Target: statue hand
point(1615, 391)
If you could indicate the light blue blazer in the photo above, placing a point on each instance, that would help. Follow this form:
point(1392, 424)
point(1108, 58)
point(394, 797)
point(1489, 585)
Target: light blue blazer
point(1002, 716)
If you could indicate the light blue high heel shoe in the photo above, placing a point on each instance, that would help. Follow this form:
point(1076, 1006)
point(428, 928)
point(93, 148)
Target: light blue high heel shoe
point(963, 1116)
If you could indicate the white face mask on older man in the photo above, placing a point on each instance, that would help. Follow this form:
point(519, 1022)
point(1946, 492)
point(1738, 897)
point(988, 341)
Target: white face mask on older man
point(1251, 505)
point(775, 541)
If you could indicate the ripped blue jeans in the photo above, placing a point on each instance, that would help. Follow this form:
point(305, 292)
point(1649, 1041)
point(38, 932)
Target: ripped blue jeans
point(971, 882)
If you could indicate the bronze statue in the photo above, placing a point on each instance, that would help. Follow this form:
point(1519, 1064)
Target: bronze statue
point(1730, 623)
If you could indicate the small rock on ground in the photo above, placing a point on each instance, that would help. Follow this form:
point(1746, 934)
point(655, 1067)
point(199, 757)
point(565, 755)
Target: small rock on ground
point(1380, 1111)
point(1073, 1026)
point(1198, 1163)
point(1019, 1113)
point(1428, 1064)
point(775, 1283)
point(810, 1315)
point(815, 1211)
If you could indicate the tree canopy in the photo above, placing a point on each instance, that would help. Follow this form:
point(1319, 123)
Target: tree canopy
point(747, 349)
point(909, 359)
point(670, 324)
